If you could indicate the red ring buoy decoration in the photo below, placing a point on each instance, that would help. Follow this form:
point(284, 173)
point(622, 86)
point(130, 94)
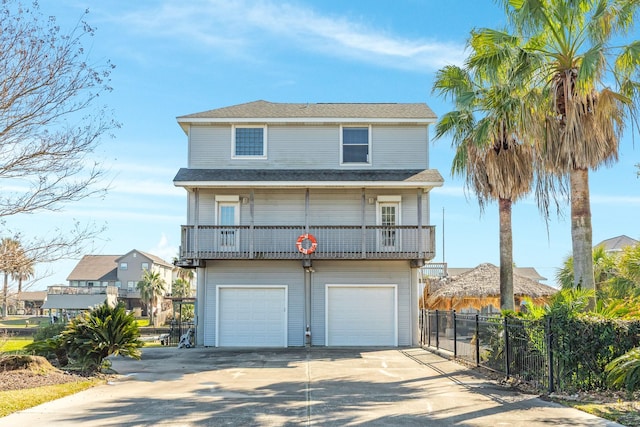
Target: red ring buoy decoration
point(311, 249)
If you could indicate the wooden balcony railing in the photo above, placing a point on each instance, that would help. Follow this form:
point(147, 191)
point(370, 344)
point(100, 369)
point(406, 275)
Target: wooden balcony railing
point(334, 242)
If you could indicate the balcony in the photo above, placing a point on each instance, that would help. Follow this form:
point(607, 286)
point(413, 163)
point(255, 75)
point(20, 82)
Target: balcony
point(210, 242)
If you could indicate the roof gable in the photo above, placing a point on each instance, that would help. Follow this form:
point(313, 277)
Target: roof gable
point(95, 267)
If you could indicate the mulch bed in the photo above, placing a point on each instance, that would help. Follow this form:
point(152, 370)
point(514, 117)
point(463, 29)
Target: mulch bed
point(19, 372)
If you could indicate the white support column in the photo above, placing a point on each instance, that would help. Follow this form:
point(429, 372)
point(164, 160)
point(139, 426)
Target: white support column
point(415, 299)
point(201, 280)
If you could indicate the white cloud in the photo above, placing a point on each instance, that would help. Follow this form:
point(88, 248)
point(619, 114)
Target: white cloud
point(164, 249)
point(236, 27)
point(615, 200)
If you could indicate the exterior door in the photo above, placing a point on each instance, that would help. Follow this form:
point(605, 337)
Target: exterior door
point(388, 219)
point(228, 215)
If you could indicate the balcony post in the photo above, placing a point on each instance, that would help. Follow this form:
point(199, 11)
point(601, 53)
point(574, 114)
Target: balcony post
point(196, 220)
point(363, 207)
point(306, 211)
point(251, 227)
point(420, 237)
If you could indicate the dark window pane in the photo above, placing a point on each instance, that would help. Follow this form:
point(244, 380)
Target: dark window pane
point(249, 142)
point(355, 153)
point(355, 145)
point(355, 136)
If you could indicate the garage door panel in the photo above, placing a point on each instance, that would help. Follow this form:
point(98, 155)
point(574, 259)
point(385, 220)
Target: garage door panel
point(361, 316)
point(252, 317)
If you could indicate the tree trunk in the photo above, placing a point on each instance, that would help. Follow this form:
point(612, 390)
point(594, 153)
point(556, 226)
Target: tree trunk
point(506, 256)
point(581, 230)
point(5, 295)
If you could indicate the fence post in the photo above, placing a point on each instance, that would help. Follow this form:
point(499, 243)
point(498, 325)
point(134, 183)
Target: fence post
point(437, 330)
point(477, 339)
point(455, 336)
point(429, 328)
point(550, 353)
point(506, 347)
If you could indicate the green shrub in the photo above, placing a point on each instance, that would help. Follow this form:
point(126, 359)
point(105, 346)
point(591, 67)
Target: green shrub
point(624, 371)
point(101, 332)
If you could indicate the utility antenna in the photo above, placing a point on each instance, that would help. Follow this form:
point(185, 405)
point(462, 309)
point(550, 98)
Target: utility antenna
point(443, 234)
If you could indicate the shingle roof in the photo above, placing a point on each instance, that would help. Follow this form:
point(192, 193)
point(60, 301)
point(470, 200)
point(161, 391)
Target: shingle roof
point(615, 244)
point(265, 109)
point(156, 259)
point(419, 177)
point(95, 267)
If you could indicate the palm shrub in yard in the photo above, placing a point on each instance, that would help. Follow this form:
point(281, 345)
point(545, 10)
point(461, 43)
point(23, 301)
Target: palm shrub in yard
point(47, 342)
point(624, 371)
point(101, 332)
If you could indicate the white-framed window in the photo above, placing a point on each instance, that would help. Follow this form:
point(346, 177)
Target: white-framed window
point(131, 285)
point(249, 142)
point(118, 284)
point(388, 218)
point(124, 266)
point(228, 214)
point(144, 266)
point(355, 144)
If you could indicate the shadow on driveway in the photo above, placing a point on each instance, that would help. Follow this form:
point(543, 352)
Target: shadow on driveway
point(292, 387)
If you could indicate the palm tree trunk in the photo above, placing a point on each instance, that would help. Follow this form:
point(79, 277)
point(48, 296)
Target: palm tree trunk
point(5, 295)
point(581, 229)
point(506, 256)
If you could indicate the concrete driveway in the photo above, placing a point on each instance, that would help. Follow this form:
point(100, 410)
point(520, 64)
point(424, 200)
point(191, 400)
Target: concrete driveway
point(316, 386)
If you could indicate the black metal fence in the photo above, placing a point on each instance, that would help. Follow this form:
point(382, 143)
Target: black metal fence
point(179, 329)
point(515, 347)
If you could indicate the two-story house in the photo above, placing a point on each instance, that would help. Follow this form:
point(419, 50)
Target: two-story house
point(308, 223)
point(95, 273)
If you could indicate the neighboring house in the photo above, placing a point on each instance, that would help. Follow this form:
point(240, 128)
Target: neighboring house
point(308, 223)
point(528, 272)
point(98, 274)
point(478, 290)
point(30, 302)
point(616, 244)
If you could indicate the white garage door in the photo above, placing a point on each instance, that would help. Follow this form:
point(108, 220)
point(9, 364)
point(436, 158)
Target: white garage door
point(361, 315)
point(252, 316)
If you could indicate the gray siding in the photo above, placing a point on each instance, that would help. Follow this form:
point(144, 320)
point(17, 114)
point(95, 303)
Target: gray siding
point(365, 273)
point(208, 146)
point(289, 273)
point(313, 147)
point(326, 207)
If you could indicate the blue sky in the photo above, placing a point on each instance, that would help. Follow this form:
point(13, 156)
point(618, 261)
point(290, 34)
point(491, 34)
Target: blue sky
point(175, 58)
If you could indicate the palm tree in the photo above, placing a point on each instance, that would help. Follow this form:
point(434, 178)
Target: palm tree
point(181, 288)
point(152, 288)
point(23, 270)
point(569, 45)
point(491, 153)
point(9, 252)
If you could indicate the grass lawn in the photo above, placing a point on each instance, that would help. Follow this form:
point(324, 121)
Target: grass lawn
point(20, 321)
point(142, 322)
point(18, 400)
point(14, 344)
point(624, 412)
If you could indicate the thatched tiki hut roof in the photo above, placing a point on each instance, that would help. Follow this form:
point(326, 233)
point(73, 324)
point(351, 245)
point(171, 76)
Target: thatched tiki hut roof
point(480, 288)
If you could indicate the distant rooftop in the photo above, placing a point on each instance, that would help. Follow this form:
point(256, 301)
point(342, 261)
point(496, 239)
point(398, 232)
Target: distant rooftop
point(616, 244)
